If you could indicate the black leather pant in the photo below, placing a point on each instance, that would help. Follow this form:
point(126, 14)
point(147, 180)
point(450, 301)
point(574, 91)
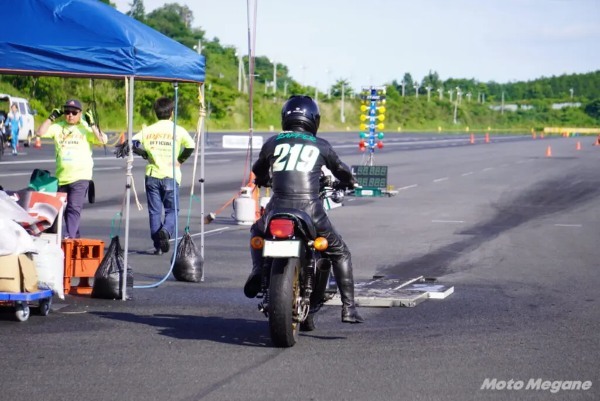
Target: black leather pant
point(337, 250)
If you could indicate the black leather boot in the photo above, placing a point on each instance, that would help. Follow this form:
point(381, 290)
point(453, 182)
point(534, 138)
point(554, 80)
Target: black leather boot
point(342, 269)
point(253, 283)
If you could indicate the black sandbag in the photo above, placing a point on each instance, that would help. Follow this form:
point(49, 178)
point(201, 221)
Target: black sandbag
point(109, 276)
point(188, 261)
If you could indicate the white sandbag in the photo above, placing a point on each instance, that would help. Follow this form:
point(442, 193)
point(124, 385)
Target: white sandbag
point(50, 265)
point(14, 239)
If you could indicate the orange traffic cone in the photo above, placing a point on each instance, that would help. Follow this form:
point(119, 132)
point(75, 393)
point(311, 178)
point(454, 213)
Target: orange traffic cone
point(549, 152)
point(487, 137)
point(578, 146)
point(38, 142)
point(472, 138)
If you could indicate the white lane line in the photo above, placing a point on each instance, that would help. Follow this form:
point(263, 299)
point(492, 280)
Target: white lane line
point(487, 169)
point(440, 179)
point(193, 235)
point(568, 225)
point(216, 230)
point(466, 174)
point(448, 221)
point(14, 174)
point(103, 158)
point(407, 187)
point(109, 168)
point(28, 173)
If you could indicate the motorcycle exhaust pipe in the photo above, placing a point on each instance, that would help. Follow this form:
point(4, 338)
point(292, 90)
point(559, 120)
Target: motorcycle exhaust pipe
point(324, 265)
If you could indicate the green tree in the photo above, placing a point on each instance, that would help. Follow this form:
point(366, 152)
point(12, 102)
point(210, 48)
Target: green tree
point(137, 10)
point(432, 80)
point(336, 89)
point(592, 109)
point(174, 21)
point(408, 82)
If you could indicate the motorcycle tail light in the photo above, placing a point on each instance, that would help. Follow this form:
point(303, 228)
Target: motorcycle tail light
point(321, 243)
point(257, 242)
point(281, 228)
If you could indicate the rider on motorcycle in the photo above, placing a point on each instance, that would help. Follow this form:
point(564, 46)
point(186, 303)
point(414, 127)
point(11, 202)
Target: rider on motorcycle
point(290, 163)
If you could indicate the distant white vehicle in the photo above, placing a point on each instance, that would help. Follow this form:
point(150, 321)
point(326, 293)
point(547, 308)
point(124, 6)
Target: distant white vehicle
point(26, 134)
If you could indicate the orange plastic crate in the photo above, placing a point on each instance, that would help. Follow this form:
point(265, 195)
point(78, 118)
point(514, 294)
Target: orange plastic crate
point(82, 258)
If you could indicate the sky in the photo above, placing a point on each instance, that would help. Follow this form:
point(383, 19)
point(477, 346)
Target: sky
point(373, 42)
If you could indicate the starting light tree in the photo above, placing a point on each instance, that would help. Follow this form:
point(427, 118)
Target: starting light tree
point(372, 116)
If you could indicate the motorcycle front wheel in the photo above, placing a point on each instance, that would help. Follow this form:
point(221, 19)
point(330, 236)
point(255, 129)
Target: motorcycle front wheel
point(284, 294)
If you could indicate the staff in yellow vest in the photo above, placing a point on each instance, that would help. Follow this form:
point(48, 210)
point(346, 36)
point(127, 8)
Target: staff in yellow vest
point(155, 144)
point(73, 140)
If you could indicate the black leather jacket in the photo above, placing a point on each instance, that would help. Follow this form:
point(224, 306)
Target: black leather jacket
point(293, 161)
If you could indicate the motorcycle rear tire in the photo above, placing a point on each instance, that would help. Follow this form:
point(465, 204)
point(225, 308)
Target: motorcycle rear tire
point(284, 292)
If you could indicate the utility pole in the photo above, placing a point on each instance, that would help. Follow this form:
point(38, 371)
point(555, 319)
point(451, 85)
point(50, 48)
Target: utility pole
point(456, 104)
point(342, 115)
point(274, 77)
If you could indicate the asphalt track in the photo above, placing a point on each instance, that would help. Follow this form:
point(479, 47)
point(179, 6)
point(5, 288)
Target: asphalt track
point(513, 230)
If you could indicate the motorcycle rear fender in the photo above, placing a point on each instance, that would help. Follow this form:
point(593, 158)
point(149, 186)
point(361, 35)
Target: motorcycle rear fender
point(303, 221)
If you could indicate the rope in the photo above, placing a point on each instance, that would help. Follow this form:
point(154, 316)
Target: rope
point(129, 159)
point(199, 125)
point(129, 174)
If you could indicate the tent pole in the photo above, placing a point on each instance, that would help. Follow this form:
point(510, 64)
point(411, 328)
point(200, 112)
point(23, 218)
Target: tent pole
point(202, 140)
point(128, 187)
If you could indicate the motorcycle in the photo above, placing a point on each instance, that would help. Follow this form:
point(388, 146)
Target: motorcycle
point(295, 275)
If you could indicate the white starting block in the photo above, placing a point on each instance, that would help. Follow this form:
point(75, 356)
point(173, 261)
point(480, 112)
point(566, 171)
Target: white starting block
point(386, 293)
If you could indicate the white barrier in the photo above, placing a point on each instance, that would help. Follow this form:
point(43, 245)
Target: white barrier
point(241, 141)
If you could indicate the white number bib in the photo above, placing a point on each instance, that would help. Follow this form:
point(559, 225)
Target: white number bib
point(298, 157)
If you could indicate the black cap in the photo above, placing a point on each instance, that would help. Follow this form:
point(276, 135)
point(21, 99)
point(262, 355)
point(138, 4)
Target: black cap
point(73, 104)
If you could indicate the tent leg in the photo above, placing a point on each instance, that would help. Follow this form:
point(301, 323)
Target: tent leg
point(128, 186)
point(202, 133)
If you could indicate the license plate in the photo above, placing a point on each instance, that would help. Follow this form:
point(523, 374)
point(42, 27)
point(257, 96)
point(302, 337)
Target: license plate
point(281, 249)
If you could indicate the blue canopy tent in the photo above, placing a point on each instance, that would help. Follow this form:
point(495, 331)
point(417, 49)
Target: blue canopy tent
point(89, 39)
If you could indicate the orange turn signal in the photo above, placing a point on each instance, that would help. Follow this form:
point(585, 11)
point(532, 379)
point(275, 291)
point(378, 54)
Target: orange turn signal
point(321, 243)
point(257, 242)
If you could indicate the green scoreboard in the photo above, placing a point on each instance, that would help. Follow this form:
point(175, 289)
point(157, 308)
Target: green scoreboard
point(371, 176)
